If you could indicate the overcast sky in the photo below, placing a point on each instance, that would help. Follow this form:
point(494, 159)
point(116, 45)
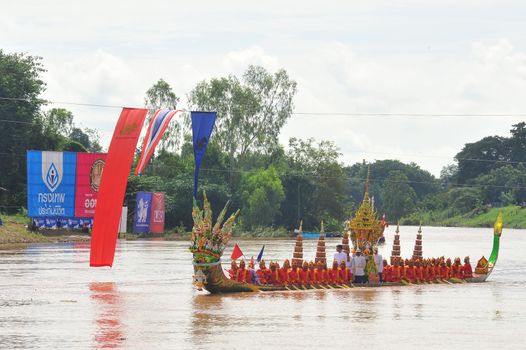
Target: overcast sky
point(431, 57)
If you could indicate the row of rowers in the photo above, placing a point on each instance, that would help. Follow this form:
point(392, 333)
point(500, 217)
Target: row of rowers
point(357, 268)
point(345, 270)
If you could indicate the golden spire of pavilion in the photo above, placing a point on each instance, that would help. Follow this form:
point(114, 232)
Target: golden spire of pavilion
point(365, 226)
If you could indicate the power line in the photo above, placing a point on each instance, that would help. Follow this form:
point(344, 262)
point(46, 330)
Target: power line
point(383, 153)
point(60, 102)
point(440, 157)
point(350, 178)
point(317, 176)
point(350, 114)
point(14, 121)
point(409, 114)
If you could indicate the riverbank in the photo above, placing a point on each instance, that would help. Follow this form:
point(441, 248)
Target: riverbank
point(514, 217)
point(14, 234)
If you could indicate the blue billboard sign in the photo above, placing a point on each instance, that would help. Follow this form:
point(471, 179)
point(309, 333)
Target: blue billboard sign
point(51, 184)
point(142, 212)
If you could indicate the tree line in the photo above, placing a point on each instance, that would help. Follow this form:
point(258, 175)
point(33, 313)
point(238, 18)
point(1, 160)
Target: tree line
point(274, 185)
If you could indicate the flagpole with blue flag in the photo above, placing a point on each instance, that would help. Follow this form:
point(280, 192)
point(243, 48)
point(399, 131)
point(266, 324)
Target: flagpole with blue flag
point(260, 255)
point(202, 126)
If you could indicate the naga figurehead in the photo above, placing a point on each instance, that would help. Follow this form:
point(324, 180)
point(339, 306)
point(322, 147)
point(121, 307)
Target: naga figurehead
point(208, 242)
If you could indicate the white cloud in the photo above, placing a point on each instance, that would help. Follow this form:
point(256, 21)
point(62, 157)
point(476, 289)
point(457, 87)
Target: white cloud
point(237, 61)
point(374, 57)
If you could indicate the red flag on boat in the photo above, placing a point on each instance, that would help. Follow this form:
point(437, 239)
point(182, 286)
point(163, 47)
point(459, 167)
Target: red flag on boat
point(236, 253)
point(113, 186)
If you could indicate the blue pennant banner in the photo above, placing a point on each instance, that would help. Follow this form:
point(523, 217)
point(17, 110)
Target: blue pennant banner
point(202, 126)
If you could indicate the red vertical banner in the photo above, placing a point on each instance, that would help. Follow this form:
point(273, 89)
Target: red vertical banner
point(113, 186)
point(89, 174)
point(157, 214)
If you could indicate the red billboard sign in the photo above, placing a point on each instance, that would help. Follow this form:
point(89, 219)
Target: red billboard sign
point(89, 173)
point(157, 213)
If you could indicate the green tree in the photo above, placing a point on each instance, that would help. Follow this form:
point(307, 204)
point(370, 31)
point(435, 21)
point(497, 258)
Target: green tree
point(161, 95)
point(262, 194)
point(250, 111)
point(59, 129)
point(503, 182)
point(448, 175)
point(73, 146)
point(421, 181)
point(57, 121)
point(398, 197)
point(517, 143)
point(88, 138)
point(320, 191)
point(464, 199)
point(20, 78)
point(481, 157)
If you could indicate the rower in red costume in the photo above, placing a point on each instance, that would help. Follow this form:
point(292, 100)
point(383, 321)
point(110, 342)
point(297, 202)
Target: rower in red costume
point(304, 274)
point(345, 275)
point(294, 277)
point(419, 273)
point(410, 272)
point(396, 274)
point(445, 271)
point(334, 274)
point(431, 270)
point(273, 276)
point(243, 275)
point(327, 273)
point(467, 270)
point(456, 269)
point(425, 271)
point(313, 273)
point(232, 272)
point(438, 268)
point(262, 272)
point(284, 273)
point(403, 269)
point(387, 272)
point(321, 274)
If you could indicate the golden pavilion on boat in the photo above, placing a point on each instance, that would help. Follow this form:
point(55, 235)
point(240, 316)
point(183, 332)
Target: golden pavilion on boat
point(365, 227)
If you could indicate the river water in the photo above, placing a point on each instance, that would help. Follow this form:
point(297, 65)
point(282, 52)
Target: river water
point(51, 299)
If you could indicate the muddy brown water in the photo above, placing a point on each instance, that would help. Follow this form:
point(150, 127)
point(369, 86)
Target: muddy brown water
point(51, 299)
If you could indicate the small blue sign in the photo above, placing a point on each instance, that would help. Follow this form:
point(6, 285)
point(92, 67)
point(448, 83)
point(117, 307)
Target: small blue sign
point(142, 212)
point(74, 223)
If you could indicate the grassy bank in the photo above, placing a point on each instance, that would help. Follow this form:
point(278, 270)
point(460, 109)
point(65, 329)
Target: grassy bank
point(13, 234)
point(514, 217)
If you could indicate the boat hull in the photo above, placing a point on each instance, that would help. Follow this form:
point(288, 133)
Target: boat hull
point(217, 283)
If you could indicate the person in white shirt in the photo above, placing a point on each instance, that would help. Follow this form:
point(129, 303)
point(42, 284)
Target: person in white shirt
point(350, 261)
point(379, 261)
point(359, 267)
point(340, 255)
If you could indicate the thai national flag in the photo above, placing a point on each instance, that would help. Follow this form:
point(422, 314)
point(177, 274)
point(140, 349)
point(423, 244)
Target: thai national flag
point(156, 129)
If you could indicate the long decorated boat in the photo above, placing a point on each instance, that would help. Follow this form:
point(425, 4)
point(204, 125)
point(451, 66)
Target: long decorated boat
point(209, 241)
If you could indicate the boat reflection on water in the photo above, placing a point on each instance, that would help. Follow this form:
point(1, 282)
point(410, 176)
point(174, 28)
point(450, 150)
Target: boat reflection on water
point(364, 304)
point(108, 309)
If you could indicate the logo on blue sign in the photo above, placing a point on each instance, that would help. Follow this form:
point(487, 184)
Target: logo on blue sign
point(52, 178)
